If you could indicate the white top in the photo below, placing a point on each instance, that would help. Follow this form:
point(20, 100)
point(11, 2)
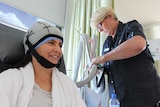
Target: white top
point(40, 98)
point(16, 88)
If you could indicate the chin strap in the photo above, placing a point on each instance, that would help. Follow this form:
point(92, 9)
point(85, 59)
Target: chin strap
point(45, 63)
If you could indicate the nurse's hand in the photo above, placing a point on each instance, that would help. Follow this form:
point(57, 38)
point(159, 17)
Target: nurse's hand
point(95, 61)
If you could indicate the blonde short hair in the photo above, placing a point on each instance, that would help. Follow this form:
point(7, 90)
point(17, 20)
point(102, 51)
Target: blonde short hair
point(100, 14)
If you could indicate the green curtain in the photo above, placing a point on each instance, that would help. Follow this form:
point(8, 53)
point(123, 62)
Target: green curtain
point(82, 12)
point(80, 22)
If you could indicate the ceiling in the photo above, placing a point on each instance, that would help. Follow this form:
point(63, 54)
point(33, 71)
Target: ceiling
point(145, 11)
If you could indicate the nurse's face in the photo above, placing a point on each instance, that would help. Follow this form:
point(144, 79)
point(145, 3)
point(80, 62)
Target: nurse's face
point(106, 26)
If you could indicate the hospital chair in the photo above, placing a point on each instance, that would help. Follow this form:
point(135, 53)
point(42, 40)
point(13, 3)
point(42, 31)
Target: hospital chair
point(12, 50)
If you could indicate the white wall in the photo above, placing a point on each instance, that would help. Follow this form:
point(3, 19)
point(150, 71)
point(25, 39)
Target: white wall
point(50, 10)
point(145, 11)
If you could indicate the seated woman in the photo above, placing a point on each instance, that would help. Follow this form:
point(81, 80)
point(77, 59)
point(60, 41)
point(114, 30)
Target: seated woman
point(37, 82)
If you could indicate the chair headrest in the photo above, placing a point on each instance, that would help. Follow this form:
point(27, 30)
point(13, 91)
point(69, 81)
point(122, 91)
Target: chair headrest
point(11, 45)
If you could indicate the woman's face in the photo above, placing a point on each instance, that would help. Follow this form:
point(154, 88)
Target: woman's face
point(51, 50)
point(106, 26)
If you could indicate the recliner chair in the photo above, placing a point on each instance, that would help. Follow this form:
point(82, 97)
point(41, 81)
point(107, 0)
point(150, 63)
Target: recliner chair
point(12, 50)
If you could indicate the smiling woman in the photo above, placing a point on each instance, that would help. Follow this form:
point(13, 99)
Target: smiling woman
point(38, 73)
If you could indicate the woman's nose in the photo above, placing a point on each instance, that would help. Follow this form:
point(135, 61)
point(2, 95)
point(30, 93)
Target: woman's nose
point(58, 48)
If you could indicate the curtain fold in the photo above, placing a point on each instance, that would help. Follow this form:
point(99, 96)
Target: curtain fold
point(80, 24)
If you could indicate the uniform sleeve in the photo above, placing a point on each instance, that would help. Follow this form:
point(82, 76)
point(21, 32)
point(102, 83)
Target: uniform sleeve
point(10, 85)
point(135, 28)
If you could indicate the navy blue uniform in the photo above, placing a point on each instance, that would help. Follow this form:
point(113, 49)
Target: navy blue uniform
point(134, 79)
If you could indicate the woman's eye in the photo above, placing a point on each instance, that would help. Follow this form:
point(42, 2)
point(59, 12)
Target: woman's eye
point(60, 45)
point(51, 42)
point(54, 43)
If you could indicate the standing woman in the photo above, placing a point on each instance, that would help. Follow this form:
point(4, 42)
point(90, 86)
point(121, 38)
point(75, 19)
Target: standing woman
point(37, 82)
point(127, 60)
